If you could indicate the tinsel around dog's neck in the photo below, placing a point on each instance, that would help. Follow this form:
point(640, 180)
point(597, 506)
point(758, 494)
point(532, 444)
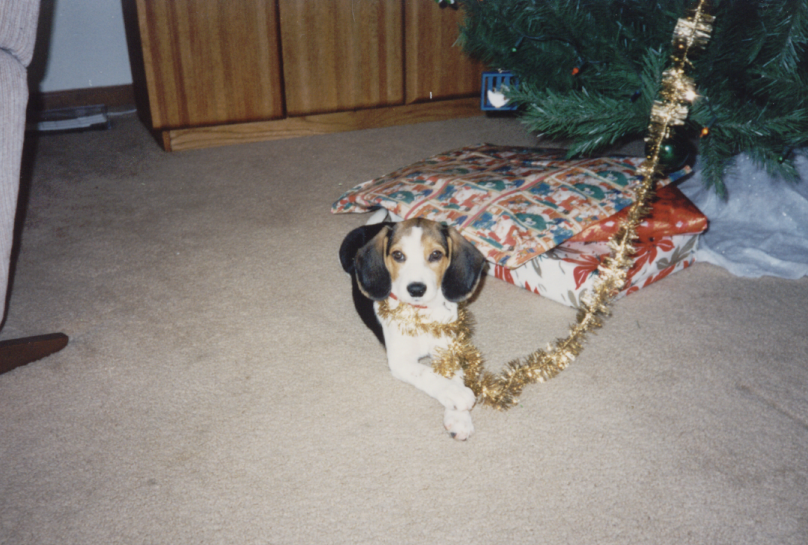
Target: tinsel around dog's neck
point(411, 321)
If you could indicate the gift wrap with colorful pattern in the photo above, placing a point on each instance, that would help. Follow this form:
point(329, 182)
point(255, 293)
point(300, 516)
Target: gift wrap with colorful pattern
point(543, 222)
point(566, 272)
point(513, 204)
point(671, 213)
point(666, 243)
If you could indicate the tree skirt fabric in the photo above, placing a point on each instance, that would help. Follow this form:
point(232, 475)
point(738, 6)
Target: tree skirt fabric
point(761, 228)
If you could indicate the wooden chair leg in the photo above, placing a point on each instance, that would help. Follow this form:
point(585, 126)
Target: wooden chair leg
point(17, 352)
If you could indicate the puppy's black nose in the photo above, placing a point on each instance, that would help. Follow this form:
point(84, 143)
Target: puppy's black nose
point(417, 289)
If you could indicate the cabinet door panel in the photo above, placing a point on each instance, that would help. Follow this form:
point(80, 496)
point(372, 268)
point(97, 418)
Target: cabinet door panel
point(341, 54)
point(436, 68)
point(211, 61)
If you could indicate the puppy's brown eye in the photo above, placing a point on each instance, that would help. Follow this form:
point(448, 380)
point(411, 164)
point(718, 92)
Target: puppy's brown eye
point(435, 256)
point(398, 256)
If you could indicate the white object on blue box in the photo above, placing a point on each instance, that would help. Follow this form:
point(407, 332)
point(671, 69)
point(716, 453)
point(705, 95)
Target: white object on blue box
point(494, 87)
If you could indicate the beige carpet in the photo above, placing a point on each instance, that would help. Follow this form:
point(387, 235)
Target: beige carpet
point(218, 387)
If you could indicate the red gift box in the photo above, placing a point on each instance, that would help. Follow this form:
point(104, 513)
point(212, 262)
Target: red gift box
point(672, 213)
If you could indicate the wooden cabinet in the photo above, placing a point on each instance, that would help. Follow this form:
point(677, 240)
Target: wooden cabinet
point(341, 54)
point(206, 62)
point(223, 72)
point(435, 67)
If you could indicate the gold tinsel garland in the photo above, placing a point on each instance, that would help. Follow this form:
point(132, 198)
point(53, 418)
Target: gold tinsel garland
point(502, 391)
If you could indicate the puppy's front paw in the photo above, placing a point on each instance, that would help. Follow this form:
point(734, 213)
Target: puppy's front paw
point(458, 397)
point(458, 424)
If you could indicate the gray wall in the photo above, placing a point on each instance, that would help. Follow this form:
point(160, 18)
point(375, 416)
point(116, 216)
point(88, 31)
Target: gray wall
point(80, 44)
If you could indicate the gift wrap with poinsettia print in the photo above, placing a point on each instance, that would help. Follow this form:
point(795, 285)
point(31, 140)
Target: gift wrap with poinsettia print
point(667, 242)
point(566, 272)
point(513, 204)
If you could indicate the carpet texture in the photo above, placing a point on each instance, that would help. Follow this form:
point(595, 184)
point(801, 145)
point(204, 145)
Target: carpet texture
point(218, 387)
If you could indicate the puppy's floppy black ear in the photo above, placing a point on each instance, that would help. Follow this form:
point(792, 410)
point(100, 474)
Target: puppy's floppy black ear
point(354, 241)
point(465, 268)
point(371, 272)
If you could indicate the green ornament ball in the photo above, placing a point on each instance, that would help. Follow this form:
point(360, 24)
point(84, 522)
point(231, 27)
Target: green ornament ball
point(674, 153)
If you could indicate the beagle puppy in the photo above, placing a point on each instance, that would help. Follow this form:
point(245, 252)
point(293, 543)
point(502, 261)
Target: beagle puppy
point(432, 267)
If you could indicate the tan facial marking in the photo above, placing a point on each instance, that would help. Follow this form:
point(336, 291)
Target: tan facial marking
point(432, 242)
point(392, 265)
point(396, 247)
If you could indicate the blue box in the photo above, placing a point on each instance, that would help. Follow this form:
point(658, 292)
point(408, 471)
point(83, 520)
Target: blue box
point(494, 81)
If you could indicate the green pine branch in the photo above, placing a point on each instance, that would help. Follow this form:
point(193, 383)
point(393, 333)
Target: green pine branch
point(753, 76)
point(592, 121)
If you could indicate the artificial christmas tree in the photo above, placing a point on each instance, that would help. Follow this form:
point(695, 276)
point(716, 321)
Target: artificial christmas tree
point(590, 70)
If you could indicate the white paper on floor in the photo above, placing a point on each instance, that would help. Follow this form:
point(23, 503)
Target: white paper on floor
point(761, 228)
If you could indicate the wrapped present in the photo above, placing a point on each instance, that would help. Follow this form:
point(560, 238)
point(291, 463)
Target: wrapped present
point(513, 204)
point(542, 221)
point(668, 240)
point(672, 213)
point(566, 272)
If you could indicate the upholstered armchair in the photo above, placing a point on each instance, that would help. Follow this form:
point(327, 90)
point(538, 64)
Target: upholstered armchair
point(18, 24)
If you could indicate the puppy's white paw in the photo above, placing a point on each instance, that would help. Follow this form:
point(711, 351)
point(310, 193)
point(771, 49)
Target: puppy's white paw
point(458, 424)
point(458, 397)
